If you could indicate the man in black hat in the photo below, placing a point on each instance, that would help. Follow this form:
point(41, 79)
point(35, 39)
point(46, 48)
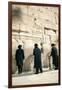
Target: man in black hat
point(19, 58)
point(54, 56)
point(37, 59)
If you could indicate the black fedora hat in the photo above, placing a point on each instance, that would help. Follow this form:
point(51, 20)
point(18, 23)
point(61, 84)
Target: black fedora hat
point(19, 46)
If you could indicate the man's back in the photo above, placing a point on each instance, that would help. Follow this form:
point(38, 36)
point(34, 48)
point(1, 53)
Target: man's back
point(19, 56)
point(37, 51)
point(54, 51)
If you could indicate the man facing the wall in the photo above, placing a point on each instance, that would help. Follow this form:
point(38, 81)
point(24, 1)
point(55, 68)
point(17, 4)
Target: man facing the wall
point(37, 59)
point(19, 58)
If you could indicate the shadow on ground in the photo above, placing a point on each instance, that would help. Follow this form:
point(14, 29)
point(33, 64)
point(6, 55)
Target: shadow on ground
point(29, 73)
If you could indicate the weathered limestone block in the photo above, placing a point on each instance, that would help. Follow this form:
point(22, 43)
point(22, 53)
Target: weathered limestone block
point(28, 64)
point(45, 59)
point(14, 47)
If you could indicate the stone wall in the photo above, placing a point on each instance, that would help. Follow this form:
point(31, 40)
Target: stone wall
point(30, 25)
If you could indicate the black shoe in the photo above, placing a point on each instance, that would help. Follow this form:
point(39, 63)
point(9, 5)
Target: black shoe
point(56, 68)
point(36, 73)
point(20, 72)
point(41, 71)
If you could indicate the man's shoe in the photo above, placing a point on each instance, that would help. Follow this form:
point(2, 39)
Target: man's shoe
point(41, 71)
point(19, 72)
point(36, 73)
point(56, 68)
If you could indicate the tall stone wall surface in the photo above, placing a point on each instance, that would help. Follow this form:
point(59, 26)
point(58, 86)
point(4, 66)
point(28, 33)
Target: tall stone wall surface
point(30, 25)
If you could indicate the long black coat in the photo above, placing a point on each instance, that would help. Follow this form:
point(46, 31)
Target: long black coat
point(54, 55)
point(19, 56)
point(37, 57)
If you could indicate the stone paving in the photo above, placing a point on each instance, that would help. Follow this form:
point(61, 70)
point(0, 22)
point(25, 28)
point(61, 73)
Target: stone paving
point(29, 78)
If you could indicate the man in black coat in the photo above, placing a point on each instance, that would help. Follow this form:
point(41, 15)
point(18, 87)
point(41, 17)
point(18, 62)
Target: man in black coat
point(37, 59)
point(19, 58)
point(54, 56)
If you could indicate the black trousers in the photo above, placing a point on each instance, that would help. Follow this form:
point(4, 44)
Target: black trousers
point(19, 68)
point(37, 69)
point(55, 62)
